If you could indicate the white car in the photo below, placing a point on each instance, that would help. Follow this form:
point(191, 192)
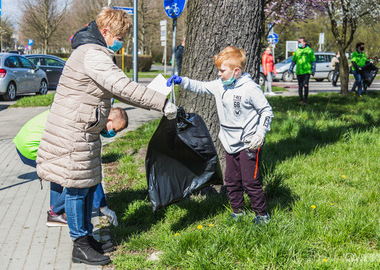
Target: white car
point(323, 68)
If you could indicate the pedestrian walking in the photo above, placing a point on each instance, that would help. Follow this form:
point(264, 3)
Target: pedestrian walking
point(358, 61)
point(335, 68)
point(269, 69)
point(179, 55)
point(305, 60)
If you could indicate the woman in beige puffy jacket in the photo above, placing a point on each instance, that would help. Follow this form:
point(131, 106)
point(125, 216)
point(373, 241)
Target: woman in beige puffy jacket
point(70, 150)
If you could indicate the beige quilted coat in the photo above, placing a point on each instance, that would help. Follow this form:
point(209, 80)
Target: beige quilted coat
point(70, 150)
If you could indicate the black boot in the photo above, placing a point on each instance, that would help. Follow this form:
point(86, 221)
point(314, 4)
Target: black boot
point(84, 253)
point(100, 247)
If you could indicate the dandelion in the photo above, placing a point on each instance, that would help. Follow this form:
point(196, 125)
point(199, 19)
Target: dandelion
point(313, 206)
point(176, 234)
point(332, 204)
point(343, 176)
point(199, 227)
point(324, 260)
point(211, 225)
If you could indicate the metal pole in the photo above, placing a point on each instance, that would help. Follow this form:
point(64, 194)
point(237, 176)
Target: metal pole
point(135, 42)
point(109, 2)
point(174, 37)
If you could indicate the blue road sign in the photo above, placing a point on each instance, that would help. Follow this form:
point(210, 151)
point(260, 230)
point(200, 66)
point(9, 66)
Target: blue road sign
point(273, 39)
point(30, 42)
point(174, 8)
point(129, 10)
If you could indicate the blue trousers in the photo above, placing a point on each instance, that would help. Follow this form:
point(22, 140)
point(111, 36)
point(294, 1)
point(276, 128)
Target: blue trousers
point(78, 208)
point(358, 81)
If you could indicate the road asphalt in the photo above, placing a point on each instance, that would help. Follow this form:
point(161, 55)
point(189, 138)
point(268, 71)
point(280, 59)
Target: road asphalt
point(25, 240)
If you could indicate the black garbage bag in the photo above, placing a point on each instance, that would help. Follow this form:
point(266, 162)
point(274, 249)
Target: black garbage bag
point(181, 159)
point(369, 72)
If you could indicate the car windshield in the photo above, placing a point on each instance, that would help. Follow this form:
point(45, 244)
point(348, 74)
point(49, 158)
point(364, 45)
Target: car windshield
point(288, 60)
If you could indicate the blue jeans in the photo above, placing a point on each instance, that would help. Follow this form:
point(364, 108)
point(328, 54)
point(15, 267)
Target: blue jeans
point(358, 81)
point(78, 207)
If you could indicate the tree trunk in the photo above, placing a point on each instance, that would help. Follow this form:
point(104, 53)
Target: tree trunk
point(343, 72)
point(212, 26)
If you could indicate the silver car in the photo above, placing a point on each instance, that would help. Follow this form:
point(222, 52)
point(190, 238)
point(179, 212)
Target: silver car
point(322, 71)
point(19, 76)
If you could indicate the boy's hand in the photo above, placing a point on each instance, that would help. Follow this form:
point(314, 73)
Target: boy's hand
point(176, 79)
point(170, 110)
point(111, 215)
point(257, 140)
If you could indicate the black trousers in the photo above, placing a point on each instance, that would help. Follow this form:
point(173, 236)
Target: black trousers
point(303, 86)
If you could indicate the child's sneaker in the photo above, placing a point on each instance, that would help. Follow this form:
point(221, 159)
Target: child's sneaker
point(261, 219)
point(238, 216)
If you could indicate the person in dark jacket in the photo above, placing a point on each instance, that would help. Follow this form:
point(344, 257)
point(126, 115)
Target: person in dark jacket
point(179, 55)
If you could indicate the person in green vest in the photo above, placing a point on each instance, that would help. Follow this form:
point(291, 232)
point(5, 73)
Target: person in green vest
point(358, 61)
point(27, 142)
point(304, 58)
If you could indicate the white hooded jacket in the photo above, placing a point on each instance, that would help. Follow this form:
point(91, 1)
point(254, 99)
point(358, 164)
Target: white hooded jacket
point(242, 108)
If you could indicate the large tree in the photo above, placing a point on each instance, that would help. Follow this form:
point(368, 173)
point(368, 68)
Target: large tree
point(41, 20)
point(212, 26)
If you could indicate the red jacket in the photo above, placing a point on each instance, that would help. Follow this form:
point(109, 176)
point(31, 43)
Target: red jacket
point(267, 62)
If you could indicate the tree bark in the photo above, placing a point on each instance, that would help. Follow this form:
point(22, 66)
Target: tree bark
point(212, 26)
point(343, 72)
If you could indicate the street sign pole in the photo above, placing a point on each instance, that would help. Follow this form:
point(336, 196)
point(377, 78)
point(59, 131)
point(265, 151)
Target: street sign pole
point(135, 41)
point(174, 37)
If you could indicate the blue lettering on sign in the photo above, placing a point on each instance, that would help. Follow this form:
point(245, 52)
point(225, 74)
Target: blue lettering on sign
point(174, 8)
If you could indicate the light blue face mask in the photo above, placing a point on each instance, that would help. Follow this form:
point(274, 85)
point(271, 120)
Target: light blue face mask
point(229, 82)
point(108, 134)
point(116, 45)
point(300, 45)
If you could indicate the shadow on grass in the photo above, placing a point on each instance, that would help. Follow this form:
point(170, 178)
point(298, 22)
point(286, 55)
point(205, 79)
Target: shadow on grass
point(309, 138)
point(141, 218)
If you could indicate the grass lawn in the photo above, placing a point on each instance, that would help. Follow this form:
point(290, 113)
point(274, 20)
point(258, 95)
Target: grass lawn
point(320, 174)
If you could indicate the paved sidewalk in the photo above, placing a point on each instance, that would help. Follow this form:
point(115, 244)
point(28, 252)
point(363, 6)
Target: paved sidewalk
point(25, 240)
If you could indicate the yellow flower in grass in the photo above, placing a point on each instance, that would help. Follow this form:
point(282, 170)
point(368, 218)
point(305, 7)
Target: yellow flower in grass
point(313, 206)
point(332, 204)
point(176, 234)
point(343, 176)
point(211, 225)
point(324, 260)
point(199, 227)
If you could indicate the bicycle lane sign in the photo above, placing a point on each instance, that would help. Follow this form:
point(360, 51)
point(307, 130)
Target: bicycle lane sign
point(174, 8)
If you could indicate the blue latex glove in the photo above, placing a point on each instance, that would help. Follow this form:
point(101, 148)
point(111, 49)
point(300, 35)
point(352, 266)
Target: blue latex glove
point(176, 79)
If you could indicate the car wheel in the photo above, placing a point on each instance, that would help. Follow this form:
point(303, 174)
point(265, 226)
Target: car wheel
point(319, 80)
point(261, 79)
point(330, 76)
point(43, 88)
point(286, 77)
point(11, 92)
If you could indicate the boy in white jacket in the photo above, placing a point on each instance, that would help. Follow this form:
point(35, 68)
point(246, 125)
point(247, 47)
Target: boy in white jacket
point(245, 117)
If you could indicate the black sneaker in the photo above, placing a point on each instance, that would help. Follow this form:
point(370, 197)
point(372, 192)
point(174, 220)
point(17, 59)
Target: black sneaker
point(56, 220)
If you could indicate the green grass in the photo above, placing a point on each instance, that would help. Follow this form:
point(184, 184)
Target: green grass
point(34, 101)
point(276, 88)
point(325, 155)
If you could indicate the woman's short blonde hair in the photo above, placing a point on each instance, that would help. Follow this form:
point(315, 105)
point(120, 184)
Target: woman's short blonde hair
point(231, 56)
point(118, 21)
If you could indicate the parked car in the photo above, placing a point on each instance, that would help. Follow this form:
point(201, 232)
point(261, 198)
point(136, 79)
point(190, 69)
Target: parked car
point(18, 76)
point(322, 71)
point(51, 64)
